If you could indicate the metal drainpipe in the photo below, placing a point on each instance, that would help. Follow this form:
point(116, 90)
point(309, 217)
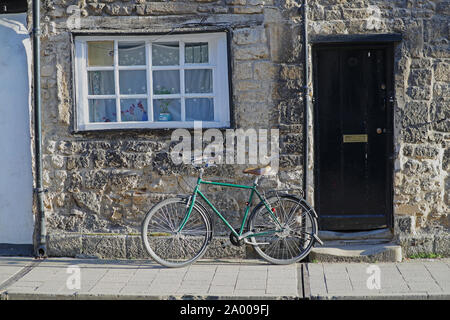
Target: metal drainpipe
point(41, 250)
point(306, 88)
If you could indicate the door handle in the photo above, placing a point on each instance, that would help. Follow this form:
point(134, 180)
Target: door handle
point(383, 130)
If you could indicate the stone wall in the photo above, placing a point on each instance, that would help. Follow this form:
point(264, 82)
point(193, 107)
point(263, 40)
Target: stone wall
point(104, 182)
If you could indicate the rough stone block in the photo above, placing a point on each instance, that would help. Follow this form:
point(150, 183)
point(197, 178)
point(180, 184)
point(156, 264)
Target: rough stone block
point(104, 246)
point(420, 77)
point(421, 63)
point(413, 135)
point(441, 92)
point(442, 72)
point(426, 152)
point(442, 244)
point(446, 163)
point(247, 9)
point(264, 70)
point(415, 113)
point(440, 116)
point(254, 52)
point(88, 200)
point(246, 85)
point(419, 93)
point(249, 36)
point(215, 249)
point(285, 43)
point(405, 224)
point(63, 245)
point(171, 8)
point(135, 248)
point(416, 244)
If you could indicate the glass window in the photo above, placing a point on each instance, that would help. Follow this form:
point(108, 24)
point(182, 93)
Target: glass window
point(133, 109)
point(131, 53)
point(167, 109)
point(152, 82)
point(101, 82)
point(166, 82)
point(166, 54)
point(198, 81)
point(196, 52)
point(100, 53)
point(200, 109)
point(133, 81)
point(102, 110)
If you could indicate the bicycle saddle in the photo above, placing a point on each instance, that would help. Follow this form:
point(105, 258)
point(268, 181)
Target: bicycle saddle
point(260, 171)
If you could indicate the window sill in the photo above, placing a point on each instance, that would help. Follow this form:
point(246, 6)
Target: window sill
point(150, 125)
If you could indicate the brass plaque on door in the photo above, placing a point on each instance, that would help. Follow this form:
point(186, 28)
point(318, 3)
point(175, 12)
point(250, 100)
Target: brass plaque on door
point(355, 138)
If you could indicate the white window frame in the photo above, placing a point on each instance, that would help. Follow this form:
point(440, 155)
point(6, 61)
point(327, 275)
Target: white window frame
point(218, 62)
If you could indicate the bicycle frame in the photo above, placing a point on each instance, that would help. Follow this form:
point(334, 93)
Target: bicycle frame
point(254, 191)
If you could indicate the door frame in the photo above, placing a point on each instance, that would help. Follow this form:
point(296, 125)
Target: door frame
point(388, 47)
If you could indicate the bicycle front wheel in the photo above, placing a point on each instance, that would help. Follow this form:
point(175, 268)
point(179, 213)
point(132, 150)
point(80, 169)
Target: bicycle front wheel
point(290, 237)
point(162, 240)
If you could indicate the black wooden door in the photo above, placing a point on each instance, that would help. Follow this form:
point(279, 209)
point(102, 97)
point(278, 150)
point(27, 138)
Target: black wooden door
point(353, 136)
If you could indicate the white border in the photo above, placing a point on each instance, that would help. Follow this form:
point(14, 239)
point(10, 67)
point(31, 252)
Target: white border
point(218, 62)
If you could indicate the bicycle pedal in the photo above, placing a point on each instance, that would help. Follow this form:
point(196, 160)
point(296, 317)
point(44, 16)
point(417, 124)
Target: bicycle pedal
point(318, 240)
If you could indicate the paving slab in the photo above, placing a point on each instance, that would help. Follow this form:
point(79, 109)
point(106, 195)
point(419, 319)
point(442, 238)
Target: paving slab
point(11, 268)
point(64, 278)
point(411, 279)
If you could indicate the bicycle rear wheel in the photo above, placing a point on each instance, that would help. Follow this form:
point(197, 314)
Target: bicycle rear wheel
point(289, 240)
point(162, 240)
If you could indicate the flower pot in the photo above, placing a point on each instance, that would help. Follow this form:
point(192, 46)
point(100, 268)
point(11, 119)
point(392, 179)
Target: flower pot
point(165, 117)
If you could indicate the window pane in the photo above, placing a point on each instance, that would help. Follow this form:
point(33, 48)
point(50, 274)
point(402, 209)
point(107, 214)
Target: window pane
point(198, 81)
point(131, 53)
point(133, 82)
point(133, 110)
point(100, 53)
point(101, 82)
point(165, 54)
point(167, 110)
point(166, 82)
point(102, 110)
point(196, 52)
point(200, 109)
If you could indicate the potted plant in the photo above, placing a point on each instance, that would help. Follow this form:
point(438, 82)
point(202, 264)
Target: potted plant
point(164, 113)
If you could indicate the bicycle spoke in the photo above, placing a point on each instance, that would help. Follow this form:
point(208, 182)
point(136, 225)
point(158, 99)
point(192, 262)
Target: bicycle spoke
point(295, 238)
point(165, 243)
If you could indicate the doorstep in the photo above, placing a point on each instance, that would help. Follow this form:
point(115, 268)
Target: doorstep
point(363, 246)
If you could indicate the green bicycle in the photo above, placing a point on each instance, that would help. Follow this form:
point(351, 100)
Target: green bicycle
point(282, 228)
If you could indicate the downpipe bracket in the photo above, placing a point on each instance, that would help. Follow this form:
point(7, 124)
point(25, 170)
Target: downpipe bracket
point(40, 190)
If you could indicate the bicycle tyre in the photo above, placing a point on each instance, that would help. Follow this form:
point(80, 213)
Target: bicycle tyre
point(281, 249)
point(168, 247)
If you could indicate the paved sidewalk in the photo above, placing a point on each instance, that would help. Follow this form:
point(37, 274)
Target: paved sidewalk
point(413, 279)
point(10, 267)
point(56, 278)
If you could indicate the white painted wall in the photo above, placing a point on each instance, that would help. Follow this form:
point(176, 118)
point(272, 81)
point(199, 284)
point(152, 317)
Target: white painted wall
point(16, 184)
